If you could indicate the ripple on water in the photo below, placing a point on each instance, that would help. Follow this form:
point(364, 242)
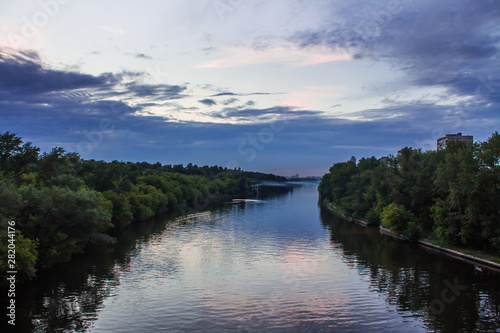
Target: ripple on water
point(276, 266)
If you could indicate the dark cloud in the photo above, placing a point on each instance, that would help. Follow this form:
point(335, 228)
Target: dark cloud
point(143, 56)
point(262, 114)
point(157, 92)
point(23, 73)
point(178, 107)
point(224, 94)
point(446, 43)
point(26, 83)
point(230, 101)
point(208, 102)
point(111, 131)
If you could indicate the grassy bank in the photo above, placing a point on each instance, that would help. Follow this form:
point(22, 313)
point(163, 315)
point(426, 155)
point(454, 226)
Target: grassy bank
point(441, 246)
point(493, 257)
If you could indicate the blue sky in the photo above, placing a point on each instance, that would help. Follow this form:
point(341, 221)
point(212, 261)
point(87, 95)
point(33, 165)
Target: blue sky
point(282, 86)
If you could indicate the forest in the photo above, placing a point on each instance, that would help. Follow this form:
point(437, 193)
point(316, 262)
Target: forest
point(61, 203)
point(451, 195)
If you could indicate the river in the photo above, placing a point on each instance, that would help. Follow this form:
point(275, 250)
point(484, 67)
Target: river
point(281, 264)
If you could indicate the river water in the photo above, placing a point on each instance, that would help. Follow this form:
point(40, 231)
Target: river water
point(282, 264)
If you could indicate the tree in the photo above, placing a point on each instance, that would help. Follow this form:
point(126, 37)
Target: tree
point(400, 221)
point(457, 211)
point(14, 155)
point(11, 200)
point(243, 186)
point(489, 178)
point(337, 181)
point(56, 163)
point(26, 255)
point(68, 220)
point(122, 210)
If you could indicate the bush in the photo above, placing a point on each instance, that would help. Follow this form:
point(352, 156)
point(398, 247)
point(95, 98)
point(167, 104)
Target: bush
point(396, 218)
point(25, 257)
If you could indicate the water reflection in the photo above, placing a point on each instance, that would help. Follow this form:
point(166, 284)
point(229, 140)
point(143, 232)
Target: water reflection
point(68, 297)
point(450, 295)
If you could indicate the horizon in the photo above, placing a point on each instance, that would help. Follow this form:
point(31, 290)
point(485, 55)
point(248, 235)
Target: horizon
point(282, 87)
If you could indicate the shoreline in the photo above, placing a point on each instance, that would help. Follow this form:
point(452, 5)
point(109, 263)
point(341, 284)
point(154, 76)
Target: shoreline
point(328, 206)
point(450, 252)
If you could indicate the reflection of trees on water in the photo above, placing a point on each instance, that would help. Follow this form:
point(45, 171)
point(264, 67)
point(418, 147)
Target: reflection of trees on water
point(269, 192)
point(414, 279)
point(73, 307)
point(67, 297)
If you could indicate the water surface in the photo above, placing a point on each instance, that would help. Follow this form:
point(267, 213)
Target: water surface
point(281, 264)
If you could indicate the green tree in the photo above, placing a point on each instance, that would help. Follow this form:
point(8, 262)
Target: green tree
point(26, 255)
point(457, 213)
point(489, 179)
point(243, 186)
point(334, 184)
point(11, 200)
point(122, 215)
point(68, 220)
point(14, 155)
point(397, 218)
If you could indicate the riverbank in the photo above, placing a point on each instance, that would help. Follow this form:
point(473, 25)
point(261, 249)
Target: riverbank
point(471, 256)
point(336, 211)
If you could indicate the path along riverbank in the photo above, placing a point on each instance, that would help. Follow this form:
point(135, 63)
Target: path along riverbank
point(451, 252)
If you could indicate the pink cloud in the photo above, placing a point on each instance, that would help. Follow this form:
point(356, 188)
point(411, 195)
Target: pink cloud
point(292, 56)
point(314, 97)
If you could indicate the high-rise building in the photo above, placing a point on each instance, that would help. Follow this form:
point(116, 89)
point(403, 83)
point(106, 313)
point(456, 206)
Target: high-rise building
point(441, 142)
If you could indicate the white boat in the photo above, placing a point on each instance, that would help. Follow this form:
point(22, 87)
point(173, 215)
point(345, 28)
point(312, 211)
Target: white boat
point(248, 200)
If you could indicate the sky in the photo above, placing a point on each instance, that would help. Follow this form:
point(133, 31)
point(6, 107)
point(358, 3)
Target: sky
point(280, 86)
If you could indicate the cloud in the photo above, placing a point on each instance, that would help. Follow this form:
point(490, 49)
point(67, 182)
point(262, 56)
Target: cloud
point(23, 73)
point(224, 94)
point(156, 91)
point(208, 102)
point(293, 56)
point(143, 56)
point(449, 48)
point(230, 101)
point(243, 94)
point(313, 97)
point(276, 112)
point(436, 44)
point(27, 85)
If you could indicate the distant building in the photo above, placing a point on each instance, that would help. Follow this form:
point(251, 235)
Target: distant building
point(353, 159)
point(441, 142)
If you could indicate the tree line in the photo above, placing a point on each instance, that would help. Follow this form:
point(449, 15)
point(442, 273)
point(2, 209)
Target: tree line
point(62, 203)
point(451, 194)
